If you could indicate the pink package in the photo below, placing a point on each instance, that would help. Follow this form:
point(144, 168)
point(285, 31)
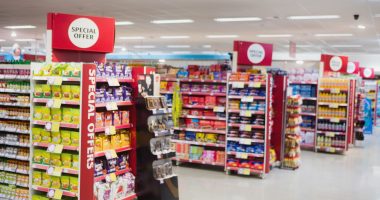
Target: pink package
point(208, 156)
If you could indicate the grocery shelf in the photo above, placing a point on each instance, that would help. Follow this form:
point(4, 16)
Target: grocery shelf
point(332, 104)
point(118, 150)
point(208, 144)
point(304, 145)
point(14, 184)
point(198, 162)
point(119, 103)
point(248, 154)
point(65, 102)
point(15, 105)
point(41, 144)
point(16, 172)
point(64, 170)
point(15, 158)
point(15, 77)
point(333, 118)
point(14, 131)
point(5, 90)
point(102, 129)
point(200, 130)
point(62, 124)
point(169, 79)
point(45, 78)
point(262, 84)
point(45, 189)
point(309, 98)
point(252, 126)
point(202, 80)
point(15, 118)
point(333, 90)
point(203, 117)
point(308, 114)
point(15, 145)
point(253, 112)
point(304, 82)
point(245, 140)
point(120, 79)
point(205, 93)
point(330, 149)
point(198, 106)
point(252, 171)
point(240, 97)
point(331, 133)
point(117, 173)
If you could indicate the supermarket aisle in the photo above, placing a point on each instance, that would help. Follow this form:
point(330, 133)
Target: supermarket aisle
point(353, 176)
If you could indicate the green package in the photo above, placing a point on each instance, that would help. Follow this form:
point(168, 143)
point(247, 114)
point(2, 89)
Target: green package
point(56, 137)
point(66, 160)
point(66, 115)
point(66, 137)
point(36, 134)
point(56, 114)
point(74, 138)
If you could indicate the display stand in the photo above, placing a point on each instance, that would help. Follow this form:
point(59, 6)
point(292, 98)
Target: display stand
point(15, 131)
point(249, 124)
point(371, 92)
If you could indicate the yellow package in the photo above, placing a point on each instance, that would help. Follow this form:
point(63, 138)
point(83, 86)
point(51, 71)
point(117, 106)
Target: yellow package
point(75, 115)
point(65, 137)
point(74, 184)
point(46, 115)
point(75, 92)
point(76, 70)
point(66, 70)
point(45, 180)
point(46, 70)
point(65, 182)
point(98, 143)
point(36, 134)
point(37, 115)
point(37, 178)
point(66, 92)
point(74, 138)
point(125, 138)
point(45, 136)
point(66, 115)
point(75, 158)
point(57, 70)
point(55, 159)
point(211, 137)
point(200, 137)
point(163, 86)
point(115, 141)
point(106, 143)
point(37, 156)
point(38, 93)
point(55, 137)
point(55, 182)
point(57, 92)
point(45, 157)
point(56, 114)
point(66, 160)
point(46, 89)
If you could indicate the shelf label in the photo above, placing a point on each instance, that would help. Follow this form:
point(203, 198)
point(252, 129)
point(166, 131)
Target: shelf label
point(335, 120)
point(110, 130)
point(237, 84)
point(247, 99)
point(245, 141)
point(113, 82)
point(335, 90)
point(54, 171)
point(245, 113)
point(54, 80)
point(334, 105)
point(55, 126)
point(241, 155)
point(243, 171)
point(48, 126)
point(55, 194)
point(110, 154)
point(255, 84)
point(245, 128)
point(330, 134)
point(54, 103)
point(111, 106)
point(219, 109)
point(55, 148)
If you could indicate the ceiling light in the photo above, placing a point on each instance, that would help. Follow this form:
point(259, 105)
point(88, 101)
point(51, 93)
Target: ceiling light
point(144, 46)
point(123, 23)
point(25, 40)
point(222, 36)
point(123, 49)
point(161, 60)
point(333, 35)
point(361, 27)
point(2, 40)
point(313, 17)
point(206, 46)
point(346, 46)
point(20, 27)
point(173, 21)
point(175, 37)
point(238, 19)
point(2, 50)
point(300, 62)
point(13, 34)
point(274, 35)
point(181, 52)
point(302, 45)
point(178, 46)
point(132, 38)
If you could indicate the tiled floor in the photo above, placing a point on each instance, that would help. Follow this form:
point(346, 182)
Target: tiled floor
point(353, 176)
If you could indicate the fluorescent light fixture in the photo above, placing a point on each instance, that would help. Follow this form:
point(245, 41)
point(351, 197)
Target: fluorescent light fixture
point(302, 45)
point(20, 27)
point(25, 40)
point(377, 15)
point(300, 62)
point(2, 50)
point(181, 52)
point(178, 46)
point(175, 37)
point(274, 35)
point(238, 19)
point(313, 17)
point(206, 46)
point(172, 21)
point(123, 49)
point(161, 60)
point(144, 46)
point(333, 35)
point(132, 38)
point(222, 36)
point(2, 40)
point(13, 34)
point(346, 46)
point(124, 23)
point(361, 27)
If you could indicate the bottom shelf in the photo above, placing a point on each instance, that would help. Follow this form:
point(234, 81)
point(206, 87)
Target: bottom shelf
point(198, 162)
point(245, 171)
point(45, 189)
point(330, 149)
point(307, 146)
point(130, 197)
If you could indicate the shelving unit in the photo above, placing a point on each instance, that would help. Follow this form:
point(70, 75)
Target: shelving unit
point(249, 124)
point(14, 131)
point(371, 92)
point(308, 90)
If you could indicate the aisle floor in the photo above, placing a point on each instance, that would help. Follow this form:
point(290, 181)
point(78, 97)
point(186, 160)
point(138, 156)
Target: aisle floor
point(353, 176)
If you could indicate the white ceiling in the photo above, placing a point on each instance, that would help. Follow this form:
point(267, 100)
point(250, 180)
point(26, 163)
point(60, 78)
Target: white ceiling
point(141, 12)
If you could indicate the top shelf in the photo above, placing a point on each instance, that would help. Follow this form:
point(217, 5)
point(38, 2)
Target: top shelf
point(193, 80)
point(304, 82)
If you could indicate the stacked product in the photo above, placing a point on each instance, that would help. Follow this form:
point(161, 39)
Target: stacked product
point(292, 146)
point(114, 141)
point(333, 119)
point(15, 134)
point(249, 97)
point(200, 134)
point(370, 88)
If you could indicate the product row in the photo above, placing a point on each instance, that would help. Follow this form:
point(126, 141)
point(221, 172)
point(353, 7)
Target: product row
point(106, 93)
point(11, 192)
point(15, 140)
point(14, 126)
point(200, 137)
point(244, 163)
point(203, 88)
point(14, 179)
point(308, 122)
point(63, 114)
point(16, 166)
point(167, 86)
point(106, 142)
point(15, 85)
point(336, 141)
point(59, 69)
point(304, 90)
point(308, 108)
point(14, 153)
point(253, 148)
point(254, 106)
point(244, 77)
point(160, 145)
point(303, 74)
point(113, 70)
point(68, 183)
point(66, 160)
point(14, 112)
point(65, 92)
point(64, 137)
point(332, 98)
point(112, 118)
point(14, 99)
point(123, 187)
point(332, 112)
point(212, 72)
point(326, 125)
point(202, 124)
point(15, 72)
point(329, 83)
point(246, 134)
point(191, 152)
point(253, 120)
point(247, 92)
point(204, 101)
point(105, 166)
point(203, 113)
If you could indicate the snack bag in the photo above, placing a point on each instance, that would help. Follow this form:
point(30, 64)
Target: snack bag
point(75, 92)
point(65, 182)
point(67, 69)
point(115, 141)
point(45, 136)
point(37, 156)
point(57, 92)
point(66, 92)
point(37, 115)
point(56, 114)
point(76, 70)
point(36, 134)
point(46, 90)
point(46, 70)
point(116, 118)
point(124, 117)
point(45, 180)
point(125, 138)
point(37, 178)
point(38, 93)
point(45, 157)
point(55, 182)
point(57, 70)
point(75, 158)
point(55, 159)
point(106, 143)
point(55, 137)
point(99, 119)
point(75, 115)
point(66, 160)
point(98, 143)
point(108, 119)
point(65, 137)
point(74, 184)
point(74, 138)
point(66, 115)
point(46, 116)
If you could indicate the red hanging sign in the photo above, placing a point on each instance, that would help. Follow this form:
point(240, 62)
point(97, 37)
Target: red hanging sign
point(353, 68)
point(334, 63)
point(366, 72)
point(253, 53)
point(82, 33)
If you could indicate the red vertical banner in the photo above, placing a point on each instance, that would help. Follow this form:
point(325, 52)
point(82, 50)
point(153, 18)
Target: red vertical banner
point(87, 131)
point(351, 108)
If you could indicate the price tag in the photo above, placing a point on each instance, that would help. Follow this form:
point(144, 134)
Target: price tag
point(55, 148)
point(55, 126)
point(247, 99)
point(54, 171)
point(110, 130)
point(55, 194)
point(110, 154)
point(219, 109)
point(112, 177)
point(241, 155)
point(48, 126)
point(237, 84)
point(255, 84)
point(243, 171)
point(245, 141)
point(245, 113)
point(334, 105)
point(113, 82)
point(335, 120)
point(330, 134)
point(54, 80)
point(111, 106)
point(334, 90)
point(245, 128)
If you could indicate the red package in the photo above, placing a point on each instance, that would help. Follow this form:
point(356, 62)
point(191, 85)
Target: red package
point(193, 100)
point(99, 119)
point(210, 101)
point(196, 112)
point(209, 113)
point(206, 124)
point(192, 123)
point(221, 101)
point(220, 125)
point(185, 100)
